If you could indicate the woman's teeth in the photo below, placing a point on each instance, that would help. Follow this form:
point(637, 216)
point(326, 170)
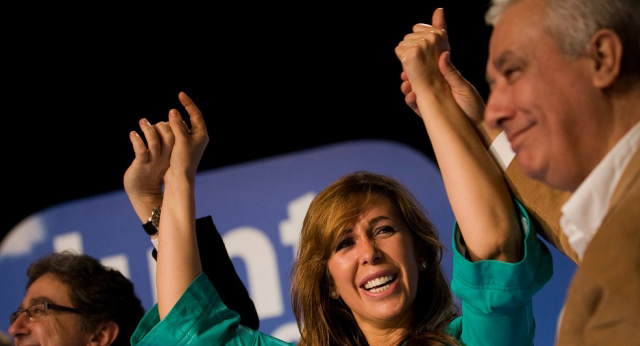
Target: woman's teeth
point(379, 284)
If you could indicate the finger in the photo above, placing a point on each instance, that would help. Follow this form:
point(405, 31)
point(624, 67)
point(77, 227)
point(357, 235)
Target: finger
point(140, 150)
point(178, 126)
point(465, 94)
point(198, 126)
point(420, 27)
point(437, 20)
point(150, 134)
point(166, 137)
point(404, 76)
point(412, 101)
point(405, 87)
point(450, 73)
point(423, 33)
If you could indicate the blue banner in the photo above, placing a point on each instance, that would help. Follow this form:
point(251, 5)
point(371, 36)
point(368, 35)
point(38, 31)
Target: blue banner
point(258, 208)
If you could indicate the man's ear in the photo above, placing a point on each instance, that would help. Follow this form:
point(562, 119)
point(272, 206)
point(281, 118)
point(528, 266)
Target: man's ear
point(105, 334)
point(605, 50)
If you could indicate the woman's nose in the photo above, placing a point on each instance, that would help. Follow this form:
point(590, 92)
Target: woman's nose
point(369, 253)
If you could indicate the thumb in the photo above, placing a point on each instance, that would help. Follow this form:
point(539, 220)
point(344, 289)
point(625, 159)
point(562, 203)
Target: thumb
point(450, 73)
point(437, 19)
point(464, 92)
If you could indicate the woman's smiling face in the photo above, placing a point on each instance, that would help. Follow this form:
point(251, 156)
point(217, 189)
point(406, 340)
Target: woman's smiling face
point(374, 267)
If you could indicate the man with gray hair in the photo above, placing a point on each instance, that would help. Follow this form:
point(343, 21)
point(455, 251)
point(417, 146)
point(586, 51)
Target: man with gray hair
point(565, 90)
point(565, 97)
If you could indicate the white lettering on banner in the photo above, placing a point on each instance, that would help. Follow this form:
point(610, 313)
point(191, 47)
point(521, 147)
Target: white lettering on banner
point(254, 248)
point(23, 238)
point(119, 262)
point(152, 274)
point(251, 245)
point(290, 228)
point(71, 241)
point(288, 332)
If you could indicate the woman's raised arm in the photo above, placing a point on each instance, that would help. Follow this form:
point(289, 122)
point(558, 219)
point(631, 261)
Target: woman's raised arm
point(179, 260)
point(478, 194)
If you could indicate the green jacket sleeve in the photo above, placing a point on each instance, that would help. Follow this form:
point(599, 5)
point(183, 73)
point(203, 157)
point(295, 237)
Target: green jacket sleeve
point(496, 296)
point(198, 318)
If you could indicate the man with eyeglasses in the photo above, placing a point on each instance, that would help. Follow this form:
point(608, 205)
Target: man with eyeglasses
point(74, 300)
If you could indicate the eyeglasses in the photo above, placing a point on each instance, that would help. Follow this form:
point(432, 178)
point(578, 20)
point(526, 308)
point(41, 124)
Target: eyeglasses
point(39, 310)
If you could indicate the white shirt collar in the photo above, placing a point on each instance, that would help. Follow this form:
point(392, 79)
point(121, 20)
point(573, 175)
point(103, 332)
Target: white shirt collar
point(583, 213)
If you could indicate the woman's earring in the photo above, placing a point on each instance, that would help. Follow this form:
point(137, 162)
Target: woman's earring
point(333, 294)
point(423, 265)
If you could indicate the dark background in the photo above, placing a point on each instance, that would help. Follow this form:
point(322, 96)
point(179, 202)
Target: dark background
point(270, 80)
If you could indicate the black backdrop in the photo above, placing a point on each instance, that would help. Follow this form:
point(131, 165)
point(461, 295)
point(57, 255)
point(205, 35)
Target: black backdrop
point(270, 79)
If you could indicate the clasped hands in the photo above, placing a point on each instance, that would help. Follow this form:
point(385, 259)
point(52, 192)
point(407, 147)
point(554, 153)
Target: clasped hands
point(427, 67)
point(172, 150)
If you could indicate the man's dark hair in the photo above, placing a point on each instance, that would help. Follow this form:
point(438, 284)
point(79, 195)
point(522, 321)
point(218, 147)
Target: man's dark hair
point(101, 294)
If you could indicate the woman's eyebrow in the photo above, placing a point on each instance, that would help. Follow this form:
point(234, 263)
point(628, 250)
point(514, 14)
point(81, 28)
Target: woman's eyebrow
point(343, 233)
point(377, 219)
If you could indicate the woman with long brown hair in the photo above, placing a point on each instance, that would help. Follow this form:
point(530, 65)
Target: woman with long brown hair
point(368, 268)
point(353, 223)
